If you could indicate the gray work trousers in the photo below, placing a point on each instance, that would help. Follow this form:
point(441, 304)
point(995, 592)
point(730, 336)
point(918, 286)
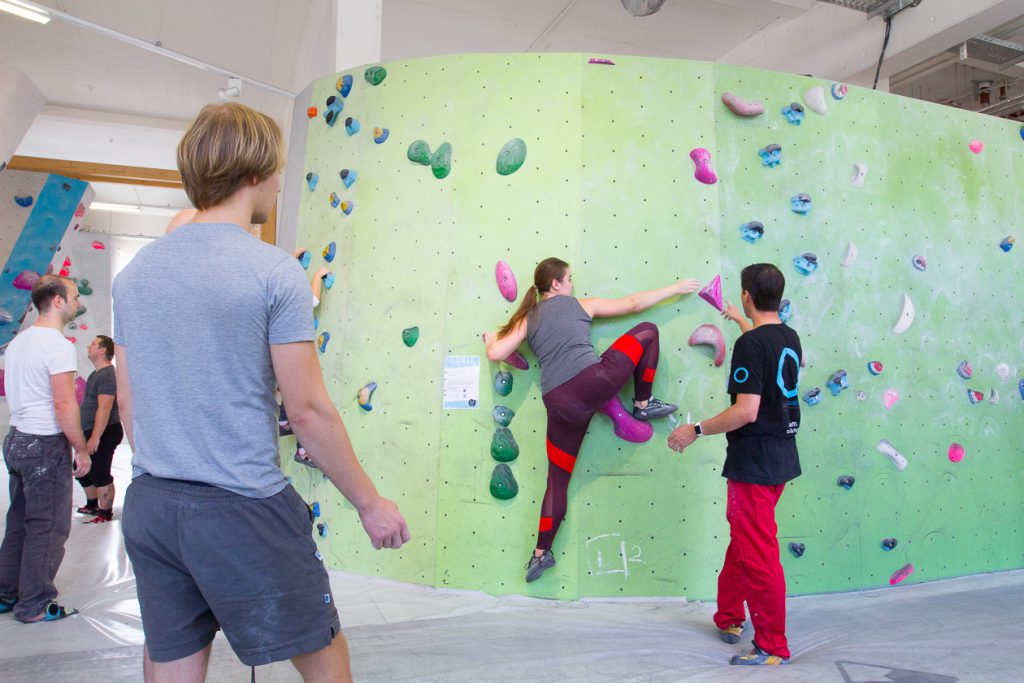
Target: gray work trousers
point(38, 521)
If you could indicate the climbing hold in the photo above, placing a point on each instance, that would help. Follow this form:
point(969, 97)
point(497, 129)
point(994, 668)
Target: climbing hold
point(901, 573)
point(805, 263)
point(26, 279)
point(348, 177)
point(335, 200)
point(771, 155)
point(752, 231)
point(503, 415)
point(284, 427)
point(598, 60)
point(1020, 388)
point(906, 318)
point(332, 114)
point(410, 336)
point(703, 172)
point(889, 543)
point(875, 367)
point(81, 311)
point(815, 99)
point(511, 156)
point(861, 396)
point(741, 107)
point(322, 530)
point(328, 279)
point(311, 112)
point(964, 369)
point(441, 161)
point(322, 340)
point(975, 397)
point(516, 360)
point(846, 481)
point(503, 382)
point(1007, 243)
point(712, 293)
point(710, 335)
point(838, 382)
point(794, 113)
point(375, 75)
point(785, 310)
point(351, 126)
point(503, 484)
point(503, 445)
point(800, 203)
point(83, 286)
point(976, 146)
point(860, 172)
point(335, 105)
point(919, 263)
point(348, 206)
point(839, 90)
point(23, 202)
point(889, 398)
point(311, 180)
point(419, 151)
point(889, 451)
point(506, 281)
point(627, 427)
point(1003, 370)
point(329, 252)
point(304, 259)
point(813, 397)
point(314, 509)
point(850, 256)
point(796, 548)
point(365, 394)
point(344, 85)
point(955, 452)
point(380, 135)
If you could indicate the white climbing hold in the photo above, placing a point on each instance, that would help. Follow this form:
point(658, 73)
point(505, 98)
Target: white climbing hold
point(815, 99)
point(851, 255)
point(906, 318)
point(1003, 370)
point(860, 171)
point(889, 451)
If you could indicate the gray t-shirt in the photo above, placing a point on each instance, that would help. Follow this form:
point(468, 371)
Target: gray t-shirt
point(558, 332)
point(101, 382)
point(196, 312)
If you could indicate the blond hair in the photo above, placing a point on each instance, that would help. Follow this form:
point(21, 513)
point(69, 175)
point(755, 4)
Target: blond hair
point(225, 147)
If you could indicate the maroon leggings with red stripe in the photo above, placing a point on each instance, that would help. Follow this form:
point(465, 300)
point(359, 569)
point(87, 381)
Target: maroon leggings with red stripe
point(571, 405)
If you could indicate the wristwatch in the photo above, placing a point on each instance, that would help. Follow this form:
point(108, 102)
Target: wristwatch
point(697, 431)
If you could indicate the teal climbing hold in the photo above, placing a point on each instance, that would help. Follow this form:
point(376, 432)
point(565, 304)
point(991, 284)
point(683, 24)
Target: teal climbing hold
point(503, 484)
point(503, 382)
point(83, 286)
point(419, 151)
point(511, 156)
point(375, 75)
point(502, 415)
point(503, 445)
point(410, 336)
point(441, 161)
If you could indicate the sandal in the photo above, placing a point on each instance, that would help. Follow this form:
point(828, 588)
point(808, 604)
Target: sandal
point(52, 612)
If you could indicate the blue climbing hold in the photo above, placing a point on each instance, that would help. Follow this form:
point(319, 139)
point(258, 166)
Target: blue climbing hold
point(796, 548)
point(1020, 387)
point(321, 530)
point(838, 382)
point(328, 280)
point(771, 155)
point(23, 202)
point(889, 543)
point(1007, 243)
point(315, 509)
point(348, 177)
point(794, 113)
point(785, 310)
point(322, 340)
point(329, 252)
point(813, 397)
point(351, 126)
point(305, 258)
point(312, 179)
point(335, 104)
point(801, 203)
point(806, 263)
point(846, 481)
point(344, 85)
point(752, 231)
point(335, 200)
point(331, 116)
point(380, 135)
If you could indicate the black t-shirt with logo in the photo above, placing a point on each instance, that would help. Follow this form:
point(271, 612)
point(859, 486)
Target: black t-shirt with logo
point(766, 362)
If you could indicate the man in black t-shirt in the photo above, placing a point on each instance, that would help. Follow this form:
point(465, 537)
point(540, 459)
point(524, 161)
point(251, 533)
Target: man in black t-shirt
point(760, 425)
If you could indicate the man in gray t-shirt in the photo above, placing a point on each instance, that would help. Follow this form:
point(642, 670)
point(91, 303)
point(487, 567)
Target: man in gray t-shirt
point(207, 320)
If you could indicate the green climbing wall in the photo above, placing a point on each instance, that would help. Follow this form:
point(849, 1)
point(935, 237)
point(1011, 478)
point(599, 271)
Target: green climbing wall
point(608, 185)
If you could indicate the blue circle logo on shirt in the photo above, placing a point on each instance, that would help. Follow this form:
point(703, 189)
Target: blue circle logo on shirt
point(737, 378)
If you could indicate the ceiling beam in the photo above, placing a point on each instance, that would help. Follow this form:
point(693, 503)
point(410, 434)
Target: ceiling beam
point(98, 173)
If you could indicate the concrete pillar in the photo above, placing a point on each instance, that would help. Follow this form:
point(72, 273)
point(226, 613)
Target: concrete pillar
point(20, 102)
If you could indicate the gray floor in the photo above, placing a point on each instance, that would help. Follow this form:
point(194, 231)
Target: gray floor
point(957, 630)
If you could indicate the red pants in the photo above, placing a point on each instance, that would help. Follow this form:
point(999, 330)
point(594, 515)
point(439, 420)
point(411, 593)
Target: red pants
point(752, 571)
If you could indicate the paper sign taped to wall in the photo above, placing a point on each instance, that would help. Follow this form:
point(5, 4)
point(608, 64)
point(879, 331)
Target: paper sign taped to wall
point(461, 382)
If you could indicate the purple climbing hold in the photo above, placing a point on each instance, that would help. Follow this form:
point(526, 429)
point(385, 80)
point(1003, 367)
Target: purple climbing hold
point(712, 293)
point(627, 427)
point(608, 62)
point(26, 280)
point(516, 360)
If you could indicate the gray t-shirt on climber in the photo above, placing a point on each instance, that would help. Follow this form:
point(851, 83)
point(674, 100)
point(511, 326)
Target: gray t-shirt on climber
point(102, 382)
point(196, 312)
point(558, 332)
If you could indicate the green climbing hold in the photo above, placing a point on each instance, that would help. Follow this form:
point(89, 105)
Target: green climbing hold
point(83, 286)
point(503, 382)
point(441, 161)
point(511, 156)
point(375, 75)
point(503, 445)
point(503, 484)
point(410, 336)
point(81, 312)
point(502, 415)
point(419, 151)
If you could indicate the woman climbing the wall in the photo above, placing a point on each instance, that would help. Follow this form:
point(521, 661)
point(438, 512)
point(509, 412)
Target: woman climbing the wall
point(575, 382)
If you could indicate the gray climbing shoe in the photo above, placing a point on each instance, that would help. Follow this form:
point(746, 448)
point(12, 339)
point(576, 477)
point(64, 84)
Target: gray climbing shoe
point(537, 565)
point(655, 408)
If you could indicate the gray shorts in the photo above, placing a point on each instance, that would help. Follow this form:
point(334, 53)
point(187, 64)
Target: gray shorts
point(206, 558)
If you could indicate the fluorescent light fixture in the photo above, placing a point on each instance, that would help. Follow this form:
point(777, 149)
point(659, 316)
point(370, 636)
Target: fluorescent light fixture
point(139, 209)
point(25, 11)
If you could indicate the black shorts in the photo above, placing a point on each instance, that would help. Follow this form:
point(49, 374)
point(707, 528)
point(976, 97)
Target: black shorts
point(103, 458)
point(206, 558)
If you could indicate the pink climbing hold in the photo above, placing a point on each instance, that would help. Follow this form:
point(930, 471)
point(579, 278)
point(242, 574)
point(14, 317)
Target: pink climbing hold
point(80, 211)
point(26, 279)
point(96, 244)
point(711, 336)
point(71, 339)
point(741, 107)
point(702, 159)
point(64, 272)
point(901, 573)
point(627, 427)
point(713, 293)
point(956, 452)
point(517, 361)
point(976, 146)
point(890, 397)
point(83, 327)
point(79, 390)
point(506, 281)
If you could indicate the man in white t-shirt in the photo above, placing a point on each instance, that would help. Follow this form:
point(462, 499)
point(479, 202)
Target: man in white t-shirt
point(45, 426)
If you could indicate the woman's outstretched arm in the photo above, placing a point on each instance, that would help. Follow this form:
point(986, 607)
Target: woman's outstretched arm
point(634, 303)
